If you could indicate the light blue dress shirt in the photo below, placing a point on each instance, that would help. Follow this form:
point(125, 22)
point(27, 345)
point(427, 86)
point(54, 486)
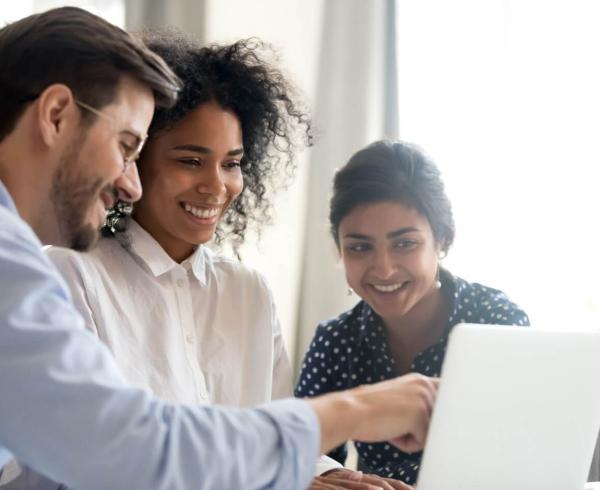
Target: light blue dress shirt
point(67, 412)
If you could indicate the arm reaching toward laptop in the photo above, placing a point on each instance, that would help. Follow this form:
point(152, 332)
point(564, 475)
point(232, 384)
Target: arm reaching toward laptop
point(397, 410)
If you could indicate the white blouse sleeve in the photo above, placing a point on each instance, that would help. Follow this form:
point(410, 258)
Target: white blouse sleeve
point(282, 369)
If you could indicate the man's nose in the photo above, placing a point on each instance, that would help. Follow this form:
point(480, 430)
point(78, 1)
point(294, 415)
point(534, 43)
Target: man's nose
point(128, 185)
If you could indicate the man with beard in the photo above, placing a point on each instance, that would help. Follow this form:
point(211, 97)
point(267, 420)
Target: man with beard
point(76, 99)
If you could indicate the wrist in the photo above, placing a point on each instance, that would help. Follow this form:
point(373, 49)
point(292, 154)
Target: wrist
point(340, 414)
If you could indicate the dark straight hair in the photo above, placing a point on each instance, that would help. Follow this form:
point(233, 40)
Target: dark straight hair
point(393, 171)
point(71, 46)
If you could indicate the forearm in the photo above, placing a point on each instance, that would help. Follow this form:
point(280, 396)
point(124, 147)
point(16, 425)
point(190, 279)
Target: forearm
point(163, 447)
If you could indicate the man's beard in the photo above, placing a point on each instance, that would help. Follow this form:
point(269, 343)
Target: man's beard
point(73, 196)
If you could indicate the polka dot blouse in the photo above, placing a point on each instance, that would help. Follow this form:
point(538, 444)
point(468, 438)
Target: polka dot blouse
point(352, 350)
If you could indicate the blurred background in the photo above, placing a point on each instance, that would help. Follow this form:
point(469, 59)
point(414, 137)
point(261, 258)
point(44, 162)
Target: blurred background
point(503, 94)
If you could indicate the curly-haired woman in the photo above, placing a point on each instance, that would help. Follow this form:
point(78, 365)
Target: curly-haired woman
point(181, 320)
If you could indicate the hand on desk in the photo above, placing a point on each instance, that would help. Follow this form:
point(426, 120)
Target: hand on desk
point(345, 479)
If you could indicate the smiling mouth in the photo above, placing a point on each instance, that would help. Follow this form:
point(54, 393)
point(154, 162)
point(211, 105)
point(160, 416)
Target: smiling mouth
point(390, 288)
point(204, 213)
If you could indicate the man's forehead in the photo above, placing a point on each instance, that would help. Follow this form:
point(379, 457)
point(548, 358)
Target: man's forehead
point(133, 104)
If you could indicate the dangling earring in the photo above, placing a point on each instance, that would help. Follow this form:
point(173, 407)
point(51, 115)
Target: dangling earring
point(349, 291)
point(117, 216)
point(438, 283)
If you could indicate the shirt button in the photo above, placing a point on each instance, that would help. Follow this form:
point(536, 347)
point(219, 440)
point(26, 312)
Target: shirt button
point(180, 283)
point(189, 338)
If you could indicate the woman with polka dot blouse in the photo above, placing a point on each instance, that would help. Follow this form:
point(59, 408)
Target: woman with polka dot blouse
point(392, 222)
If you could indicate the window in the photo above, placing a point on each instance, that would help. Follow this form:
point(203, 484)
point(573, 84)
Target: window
point(505, 96)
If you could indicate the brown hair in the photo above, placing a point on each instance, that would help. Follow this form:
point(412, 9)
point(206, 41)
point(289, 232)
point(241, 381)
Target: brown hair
point(398, 172)
point(72, 46)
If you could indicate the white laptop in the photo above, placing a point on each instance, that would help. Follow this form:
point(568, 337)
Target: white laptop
point(518, 409)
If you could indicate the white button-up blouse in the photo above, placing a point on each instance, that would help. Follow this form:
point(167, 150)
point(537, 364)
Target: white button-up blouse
point(203, 331)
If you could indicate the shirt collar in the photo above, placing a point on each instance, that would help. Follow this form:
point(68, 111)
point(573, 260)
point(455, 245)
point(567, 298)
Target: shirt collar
point(454, 288)
point(149, 251)
point(6, 200)
point(368, 322)
point(200, 263)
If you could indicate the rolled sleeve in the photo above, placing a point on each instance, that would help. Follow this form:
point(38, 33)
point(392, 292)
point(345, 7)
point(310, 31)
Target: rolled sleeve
point(325, 464)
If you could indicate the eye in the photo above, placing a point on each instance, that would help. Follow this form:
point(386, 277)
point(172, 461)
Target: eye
point(127, 150)
point(192, 162)
point(233, 164)
point(405, 244)
point(359, 247)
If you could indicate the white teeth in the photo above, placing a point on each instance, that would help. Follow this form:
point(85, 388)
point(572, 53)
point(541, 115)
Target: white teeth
point(387, 289)
point(200, 212)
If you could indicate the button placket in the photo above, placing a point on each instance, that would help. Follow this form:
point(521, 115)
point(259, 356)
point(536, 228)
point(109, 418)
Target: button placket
point(182, 295)
point(189, 335)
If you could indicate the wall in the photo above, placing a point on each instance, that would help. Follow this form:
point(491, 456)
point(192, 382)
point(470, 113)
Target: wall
point(294, 28)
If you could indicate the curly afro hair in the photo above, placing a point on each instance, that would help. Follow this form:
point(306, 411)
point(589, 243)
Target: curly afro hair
point(274, 124)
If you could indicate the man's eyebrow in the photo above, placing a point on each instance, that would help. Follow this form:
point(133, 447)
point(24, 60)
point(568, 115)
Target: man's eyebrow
point(204, 150)
point(133, 133)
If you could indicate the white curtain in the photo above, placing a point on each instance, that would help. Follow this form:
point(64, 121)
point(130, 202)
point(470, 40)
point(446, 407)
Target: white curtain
point(188, 15)
point(355, 104)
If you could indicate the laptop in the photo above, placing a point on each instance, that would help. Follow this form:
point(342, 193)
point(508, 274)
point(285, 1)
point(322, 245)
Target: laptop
point(517, 409)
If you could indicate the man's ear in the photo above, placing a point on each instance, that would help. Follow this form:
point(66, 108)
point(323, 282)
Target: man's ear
point(56, 113)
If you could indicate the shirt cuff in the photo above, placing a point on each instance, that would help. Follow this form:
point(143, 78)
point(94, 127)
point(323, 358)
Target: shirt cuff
point(9, 472)
point(300, 436)
point(325, 463)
